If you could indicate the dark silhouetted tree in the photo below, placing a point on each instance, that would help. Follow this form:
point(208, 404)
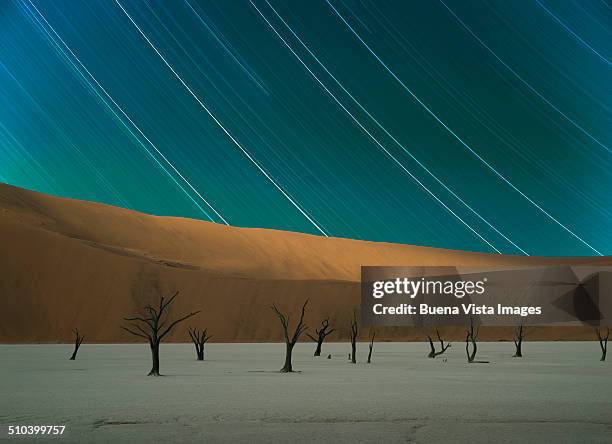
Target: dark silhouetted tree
point(519, 334)
point(371, 346)
point(154, 326)
point(472, 335)
point(199, 339)
point(78, 340)
point(290, 340)
point(433, 353)
point(603, 341)
point(354, 332)
point(321, 333)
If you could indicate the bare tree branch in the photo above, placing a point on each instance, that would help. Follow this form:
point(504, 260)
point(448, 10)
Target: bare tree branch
point(134, 333)
point(175, 323)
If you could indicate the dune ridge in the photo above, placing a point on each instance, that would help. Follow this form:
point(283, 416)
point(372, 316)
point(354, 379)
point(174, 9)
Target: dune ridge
point(69, 263)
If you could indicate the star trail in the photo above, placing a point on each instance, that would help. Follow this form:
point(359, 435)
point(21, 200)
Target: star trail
point(136, 127)
point(385, 131)
point(479, 125)
point(456, 136)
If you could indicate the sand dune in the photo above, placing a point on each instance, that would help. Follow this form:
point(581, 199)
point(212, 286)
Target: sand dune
point(68, 263)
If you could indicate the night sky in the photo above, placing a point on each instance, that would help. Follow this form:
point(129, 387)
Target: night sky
point(475, 125)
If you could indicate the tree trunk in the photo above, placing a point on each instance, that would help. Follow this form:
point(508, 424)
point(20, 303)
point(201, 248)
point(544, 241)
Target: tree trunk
point(518, 341)
point(472, 340)
point(155, 356)
point(199, 351)
point(288, 368)
point(432, 353)
point(371, 345)
point(475, 347)
point(318, 350)
point(78, 340)
point(603, 343)
point(519, 349)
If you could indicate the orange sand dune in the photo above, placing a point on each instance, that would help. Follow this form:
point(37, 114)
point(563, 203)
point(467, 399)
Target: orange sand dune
point(68, 263)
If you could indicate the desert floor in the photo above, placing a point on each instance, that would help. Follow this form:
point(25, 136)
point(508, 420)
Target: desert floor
point(559, 392)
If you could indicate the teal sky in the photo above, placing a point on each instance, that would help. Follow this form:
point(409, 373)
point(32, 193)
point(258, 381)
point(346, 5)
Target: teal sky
point(475, 125)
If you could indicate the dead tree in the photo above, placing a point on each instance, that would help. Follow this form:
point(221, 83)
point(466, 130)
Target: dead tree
point(290, 341)
point(322, 333)
point(472, 335)
point(371, 346)
point(354, 331)
point(433, 353)
point(603, 341)
point(154, 326)
point(199, 339)
point(519, 334)
point(78, 340)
